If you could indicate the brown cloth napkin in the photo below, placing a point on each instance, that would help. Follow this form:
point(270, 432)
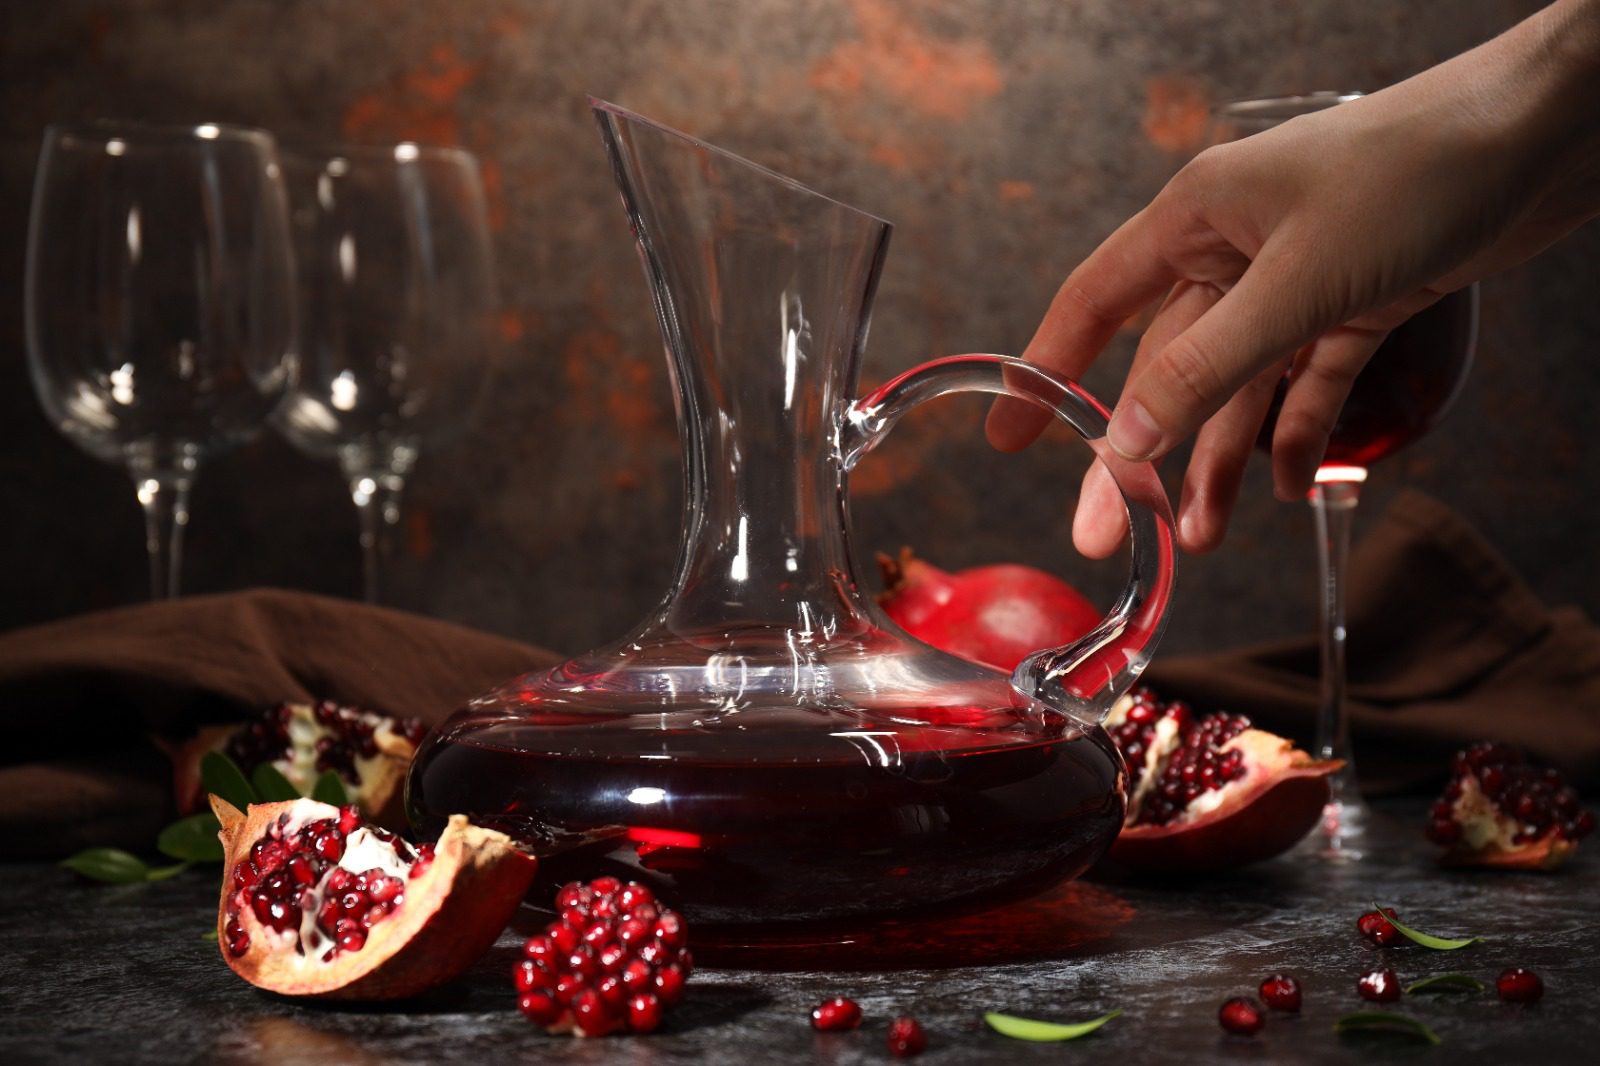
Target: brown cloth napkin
point(81, 698)
point(1446, 645)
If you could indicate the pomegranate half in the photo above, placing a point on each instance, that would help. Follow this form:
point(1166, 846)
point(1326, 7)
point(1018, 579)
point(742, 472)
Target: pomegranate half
point(317, 903)
point(1500, 810)
point(1209, 793)
point(370, 752)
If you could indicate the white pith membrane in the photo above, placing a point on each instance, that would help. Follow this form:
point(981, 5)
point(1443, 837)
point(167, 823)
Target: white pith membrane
point(1483, 824)
point(364, 852)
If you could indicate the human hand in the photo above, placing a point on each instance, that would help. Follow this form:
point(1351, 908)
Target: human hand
point(1296, 250)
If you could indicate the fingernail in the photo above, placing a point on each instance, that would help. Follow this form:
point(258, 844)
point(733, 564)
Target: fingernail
point(1133, 434)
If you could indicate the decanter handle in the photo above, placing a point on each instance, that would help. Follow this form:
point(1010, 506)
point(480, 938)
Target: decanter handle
point(1087, 676)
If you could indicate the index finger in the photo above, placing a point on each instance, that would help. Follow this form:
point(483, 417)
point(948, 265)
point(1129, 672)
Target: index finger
point(1119, 278)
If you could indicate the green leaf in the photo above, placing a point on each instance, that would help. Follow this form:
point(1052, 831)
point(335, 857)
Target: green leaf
point(110, 865)
point(1446, 982)
point(193, 839)
point(272, 786)
point(330, 789)
point(1028, 1029)
point(161, 873)
point(222, 777)
point(1437, 943)
point(209, 934)
point(1378, 1021)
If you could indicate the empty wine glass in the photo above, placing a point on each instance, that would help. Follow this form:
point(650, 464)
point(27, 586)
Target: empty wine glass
point(1403, 391)
point(396, 287)
point(159, 303)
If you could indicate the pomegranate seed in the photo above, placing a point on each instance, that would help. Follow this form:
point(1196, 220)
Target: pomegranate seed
point(540, 1007)
point(613, 994)
point(353, 939)
point(583, 963)
point(540, 948)
point(633, 896)
point(590, 1015)
point(1443, 831)
point(832, 1015)
point(238, 939)
point(1241, 1015)
point(669, 985)
point(1520, 985)
point(638, 975)
point(906, 1037)
point(644, 1013)
point(531, 977)
point(1377, 928)
point(1380, 986)
point(1281, 992)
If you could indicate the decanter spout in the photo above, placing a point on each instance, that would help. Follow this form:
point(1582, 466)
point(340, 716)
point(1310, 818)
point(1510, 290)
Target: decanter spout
point(762, 289)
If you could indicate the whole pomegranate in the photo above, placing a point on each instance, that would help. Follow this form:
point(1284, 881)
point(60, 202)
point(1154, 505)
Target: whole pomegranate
point(1499, 810)
point(994, 615)
point(316, 902)
point(369, 751)
point(1209, 792)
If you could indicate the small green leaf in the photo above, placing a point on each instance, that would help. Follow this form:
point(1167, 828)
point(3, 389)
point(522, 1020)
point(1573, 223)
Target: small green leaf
point(209, 934)
point(161, 873)
point(272, 786)
point(1446, 982)
point(1377, 1021)
point(110, 865)
point(1437, 943)
point(222, 777)
point(330, 789)
point(1028, 1029)
point(193, 839)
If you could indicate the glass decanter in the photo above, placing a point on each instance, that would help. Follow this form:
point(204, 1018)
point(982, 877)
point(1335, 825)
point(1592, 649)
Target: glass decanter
point(767, 747)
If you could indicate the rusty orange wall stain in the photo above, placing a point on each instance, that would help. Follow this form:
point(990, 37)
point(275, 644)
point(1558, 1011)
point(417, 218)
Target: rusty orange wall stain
point(494, 192)
point(419, 532)
point(1015, 192)
point(1177, 113)
point(510, 326)
point(895, 58)
point(418, 103)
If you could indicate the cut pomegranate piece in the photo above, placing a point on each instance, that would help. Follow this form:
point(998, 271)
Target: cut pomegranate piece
point(316, 902)
point(1376, 927)
point(1241, 1015)
point(1209, 793)
point(1499, 810)
point(369, 751)
point(614, 960)
point(1519, 985)
point(833, 1015)
point(994, 615)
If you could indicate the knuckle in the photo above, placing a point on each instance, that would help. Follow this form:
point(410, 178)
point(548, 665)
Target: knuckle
point(1189, 374)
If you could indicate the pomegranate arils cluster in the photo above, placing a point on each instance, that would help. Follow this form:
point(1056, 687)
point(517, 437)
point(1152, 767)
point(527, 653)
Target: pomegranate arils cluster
point(304, 740)
point(613, 960)
point(1173, 757)
point(323, 881)
point(1376, 927)
point(1501, 810)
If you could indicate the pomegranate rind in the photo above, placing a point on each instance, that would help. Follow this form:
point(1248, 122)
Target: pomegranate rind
point(1260, 816)
point(1546, 853)
point(453, 913)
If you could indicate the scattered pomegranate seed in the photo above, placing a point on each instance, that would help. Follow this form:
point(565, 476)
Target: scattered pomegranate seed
point(1519, 985)
point(1281, 992)
point(614, 959)
point(906, 1037)
point(1377, 928)
point(1380, 986)
point(1241, 1015)
point(832, 1015)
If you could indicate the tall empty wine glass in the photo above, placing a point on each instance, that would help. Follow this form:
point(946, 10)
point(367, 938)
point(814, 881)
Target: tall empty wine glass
point(396, 287)
point(1401, 394)
point(159, 303)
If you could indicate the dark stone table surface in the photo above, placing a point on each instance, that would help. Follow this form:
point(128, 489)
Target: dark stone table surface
point(125, 975)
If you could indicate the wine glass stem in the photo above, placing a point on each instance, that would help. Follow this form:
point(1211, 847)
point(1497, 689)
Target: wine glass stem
point(165, 499)
point(377, 499)
point(1334, 502)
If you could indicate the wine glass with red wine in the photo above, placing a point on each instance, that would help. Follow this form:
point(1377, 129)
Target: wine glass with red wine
point(1401, 394)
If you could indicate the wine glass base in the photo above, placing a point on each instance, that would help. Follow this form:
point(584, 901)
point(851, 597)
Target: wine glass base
point(1343, 834)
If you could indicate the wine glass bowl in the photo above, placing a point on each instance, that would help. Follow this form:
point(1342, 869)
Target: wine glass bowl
point(396, 287)
point(1402, 392)
point(159, 303)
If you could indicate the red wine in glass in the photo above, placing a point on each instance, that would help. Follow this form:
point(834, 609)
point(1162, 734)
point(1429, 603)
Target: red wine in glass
point(1405, 389)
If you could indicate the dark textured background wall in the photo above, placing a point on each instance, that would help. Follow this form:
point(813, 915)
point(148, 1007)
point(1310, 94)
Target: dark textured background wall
point(1003, 138)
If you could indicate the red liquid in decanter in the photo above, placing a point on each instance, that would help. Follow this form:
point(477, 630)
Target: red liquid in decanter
point(866, 818)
